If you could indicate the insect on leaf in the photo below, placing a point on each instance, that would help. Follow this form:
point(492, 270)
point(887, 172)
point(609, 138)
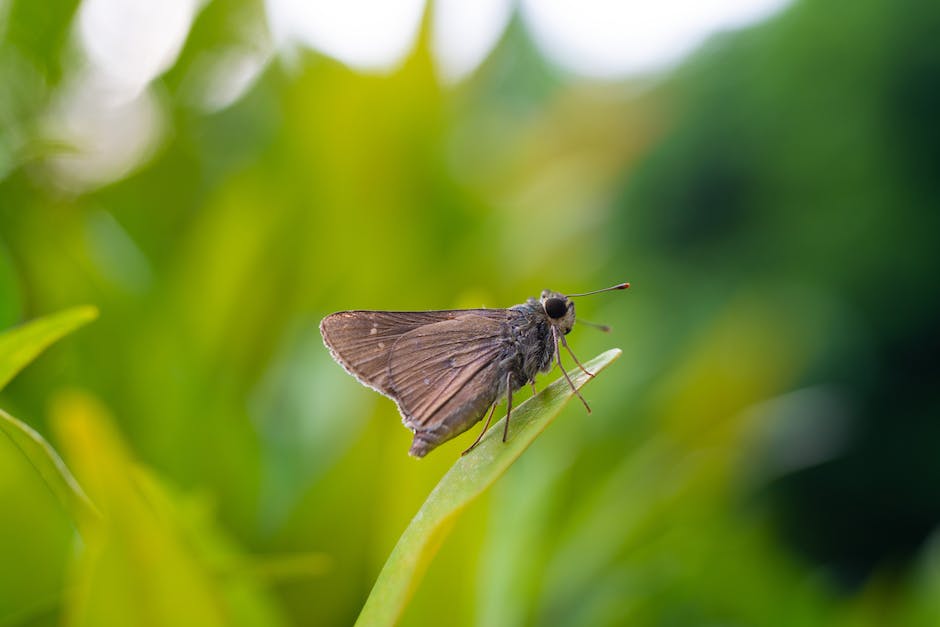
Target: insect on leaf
point(467, 479)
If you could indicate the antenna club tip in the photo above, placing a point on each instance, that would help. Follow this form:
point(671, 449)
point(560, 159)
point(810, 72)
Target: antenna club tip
point(619, 286)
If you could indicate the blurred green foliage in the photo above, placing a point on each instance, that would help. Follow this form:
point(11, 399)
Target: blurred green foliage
point(763, 454)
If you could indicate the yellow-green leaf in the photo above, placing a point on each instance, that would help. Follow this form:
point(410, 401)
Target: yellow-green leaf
point(469, 477)
point(154, 557)
point(20, 345)
point(50, 467)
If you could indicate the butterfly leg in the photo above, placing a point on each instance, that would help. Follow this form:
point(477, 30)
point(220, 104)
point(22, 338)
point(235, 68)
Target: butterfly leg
point(534, 391)
point(508, 404)
point(482, 433)
point(564, 372)
point(564, 343)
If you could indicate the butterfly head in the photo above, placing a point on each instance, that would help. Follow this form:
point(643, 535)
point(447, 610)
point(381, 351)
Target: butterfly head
point(559, 309)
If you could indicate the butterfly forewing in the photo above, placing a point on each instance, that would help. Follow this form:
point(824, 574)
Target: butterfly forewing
point(361, 341)
point(440, 375)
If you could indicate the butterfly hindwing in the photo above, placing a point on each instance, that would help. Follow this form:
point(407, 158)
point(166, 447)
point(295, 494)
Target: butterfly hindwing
point(445, 375)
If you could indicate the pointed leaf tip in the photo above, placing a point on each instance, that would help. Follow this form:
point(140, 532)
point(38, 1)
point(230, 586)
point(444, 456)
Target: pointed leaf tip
point(22, 344)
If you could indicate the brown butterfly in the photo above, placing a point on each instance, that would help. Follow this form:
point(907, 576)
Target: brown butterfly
point(444, 369)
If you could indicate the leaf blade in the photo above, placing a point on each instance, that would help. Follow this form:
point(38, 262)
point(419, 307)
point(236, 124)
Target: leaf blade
point(156, 557)
point(18, 347)
point(51, 469)
point(467, 479)
point(21, 345)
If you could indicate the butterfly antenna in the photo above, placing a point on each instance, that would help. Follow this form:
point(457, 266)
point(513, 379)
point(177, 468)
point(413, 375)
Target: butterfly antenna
point(599, 327)
point(619, 286)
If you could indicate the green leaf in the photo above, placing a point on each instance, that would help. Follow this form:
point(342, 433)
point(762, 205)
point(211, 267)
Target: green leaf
point(20, 345)
point(467, 479)
point(50, 467)
point(155, 557)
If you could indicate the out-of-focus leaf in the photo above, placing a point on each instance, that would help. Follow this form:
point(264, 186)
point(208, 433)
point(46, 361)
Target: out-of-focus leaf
point(10, 289)
point(467, 479)
point(291, 566)
point(50, 467)
point(21, 345)
point(40, 32)
point(922, 607)
point(153, 559)
point(18, 347)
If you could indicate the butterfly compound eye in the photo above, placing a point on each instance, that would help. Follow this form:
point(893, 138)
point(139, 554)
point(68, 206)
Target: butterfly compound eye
point(555, 308)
